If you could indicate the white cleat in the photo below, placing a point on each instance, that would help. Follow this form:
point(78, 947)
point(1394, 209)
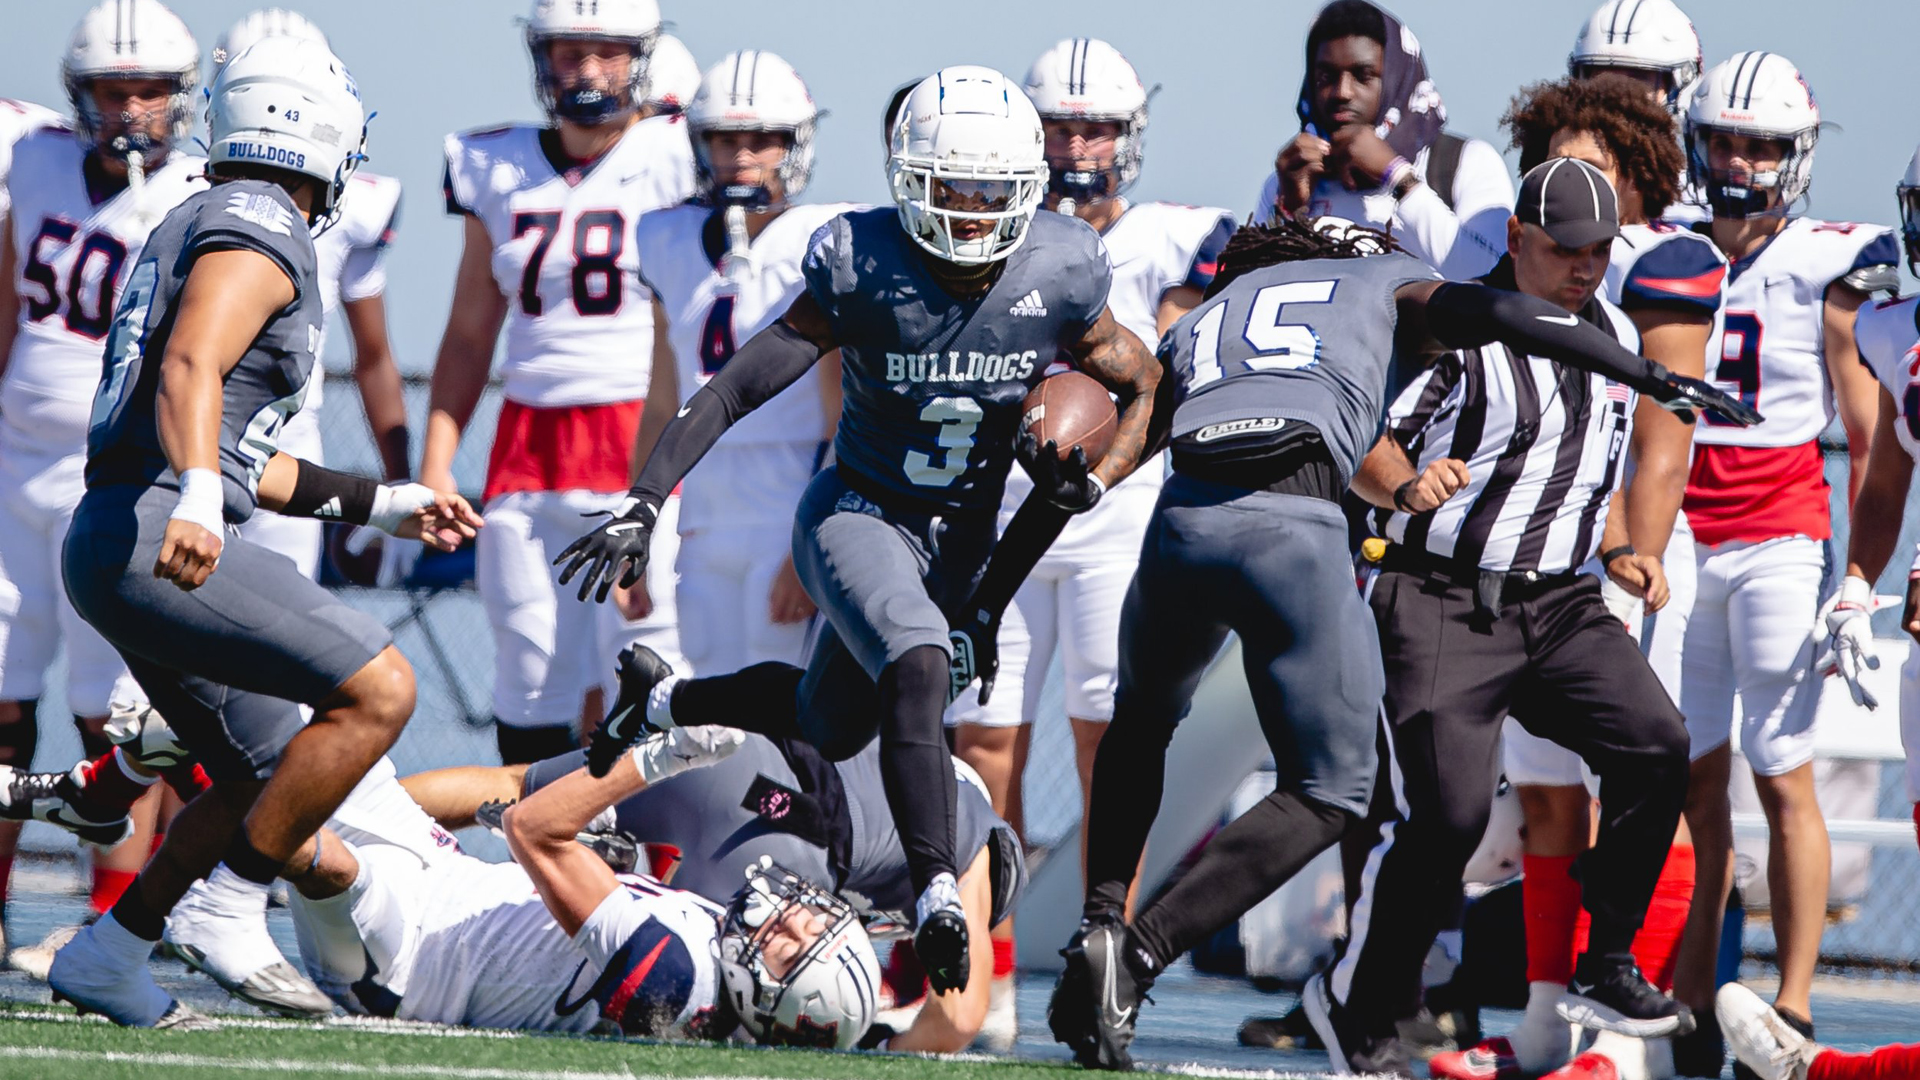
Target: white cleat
point(1759, 1038)
point(95, 980)
point(1001, 1028)
point(37, 960)
point(234, 948)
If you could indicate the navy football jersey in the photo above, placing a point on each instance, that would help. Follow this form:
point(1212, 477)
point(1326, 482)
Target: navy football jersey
point(933, 384)
point(260, 394)
point(1308, 342)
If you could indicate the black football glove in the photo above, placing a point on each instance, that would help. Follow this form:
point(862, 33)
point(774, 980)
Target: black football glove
point(976, 654)
point(1686, 396)
point(1067, 483)
point(622, 540)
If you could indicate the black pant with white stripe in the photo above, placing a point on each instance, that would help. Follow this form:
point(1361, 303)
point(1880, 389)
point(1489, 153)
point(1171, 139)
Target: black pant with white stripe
point(1555, 657)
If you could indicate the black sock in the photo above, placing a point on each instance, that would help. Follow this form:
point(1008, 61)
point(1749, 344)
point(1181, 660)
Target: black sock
point(914, 765)
point(1129, 778)
point(1255, 854)
point(246, 860)
point(132, 912)
point(526, 745)
point(1606, 937)
point(763, 699)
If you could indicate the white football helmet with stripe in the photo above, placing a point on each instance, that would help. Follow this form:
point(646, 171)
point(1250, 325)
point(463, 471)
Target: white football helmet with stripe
point(633, 22)
point(1640, 35)
point(1088, 79)
point(673, 76)
point(826, 993)
point(1908, 193)
point(1760, 95)
point(264, 23)
point(967, 164)
point(753, 91)
point(130, 39)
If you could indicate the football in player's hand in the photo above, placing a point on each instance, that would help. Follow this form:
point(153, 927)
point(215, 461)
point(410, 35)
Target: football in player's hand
point(1069, 410)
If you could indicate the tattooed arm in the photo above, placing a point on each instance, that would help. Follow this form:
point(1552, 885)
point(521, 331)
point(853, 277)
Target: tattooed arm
point(1118, 361)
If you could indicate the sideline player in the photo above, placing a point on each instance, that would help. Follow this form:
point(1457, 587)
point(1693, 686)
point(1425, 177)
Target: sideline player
point(549, 212)
point(1758, 501)
point(1668, 281)
point(353, 281)
point(1372, 150)
point(1275, 414)
point(210, 352)
point(85, 196)
point(947, 309)
point(673, 77)
point(722, 268)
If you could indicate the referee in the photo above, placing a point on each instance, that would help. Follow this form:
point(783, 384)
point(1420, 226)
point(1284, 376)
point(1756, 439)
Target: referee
point(1499, 470)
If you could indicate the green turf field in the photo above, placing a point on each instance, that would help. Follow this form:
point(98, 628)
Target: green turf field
point(38, 1042)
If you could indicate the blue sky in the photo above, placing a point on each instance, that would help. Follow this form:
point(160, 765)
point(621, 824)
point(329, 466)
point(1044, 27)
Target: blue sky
point(1228, 70)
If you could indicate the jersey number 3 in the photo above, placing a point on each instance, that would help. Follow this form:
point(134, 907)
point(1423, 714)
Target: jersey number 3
point(599, 239)
point(1278, 346)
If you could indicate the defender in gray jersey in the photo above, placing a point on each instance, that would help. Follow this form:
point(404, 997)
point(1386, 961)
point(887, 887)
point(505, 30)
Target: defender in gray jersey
point(210, 352)
point(945, 313)
point(1283, 373)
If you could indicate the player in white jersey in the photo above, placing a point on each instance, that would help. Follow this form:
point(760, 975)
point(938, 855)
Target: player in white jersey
point(1757, 498)
point(722, 268)
point(17, 118)
point(549, 212)
point(1372, 150)
point(1888, 336)
point(84, 197)
point(353, 281)
point(1669, 282)
point(1093, 110)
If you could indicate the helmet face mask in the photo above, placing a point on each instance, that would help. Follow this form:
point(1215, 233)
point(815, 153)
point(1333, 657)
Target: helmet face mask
point(570, 93)
point(967, 165)
point(1078, 83)
point(796, 962)
point(1109, 158)
point(131, 114)
point(1754, 191)
point(105, 53)
point(759, 182)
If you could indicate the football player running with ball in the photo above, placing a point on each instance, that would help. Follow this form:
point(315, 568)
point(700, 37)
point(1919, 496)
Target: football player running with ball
point(947, 310)
point(210, 353)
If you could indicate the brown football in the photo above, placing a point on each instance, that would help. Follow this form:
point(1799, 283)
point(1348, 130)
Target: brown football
point(1070, 409)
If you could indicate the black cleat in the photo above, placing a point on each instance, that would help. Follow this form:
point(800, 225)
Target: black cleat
point(57, 799)
point(641, 669)
point(1096, 1003)
point(1608, 993)
point(1289, 1032)
point(1350, 1049)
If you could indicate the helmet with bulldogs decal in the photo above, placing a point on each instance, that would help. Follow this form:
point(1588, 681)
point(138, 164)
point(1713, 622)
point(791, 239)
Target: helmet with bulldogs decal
point(825, 996)
point(1759, 95)
point(289, 103)
point(1088, 79)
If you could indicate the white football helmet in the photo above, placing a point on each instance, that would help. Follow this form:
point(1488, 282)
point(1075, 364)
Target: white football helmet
point(264, 23)
point(673, 76)
point(828, 997)
point(1644, 35)
point(753, 91)
point(967, 147)
point(1088, 79)
point(291, 104)
point(130, 39)
point(1908, 192)
point(1762, 95)
point(635, 22)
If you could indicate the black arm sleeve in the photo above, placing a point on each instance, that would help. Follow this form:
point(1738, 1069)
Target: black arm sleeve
point(768, 363)
point(1032, 531)
point(1464, 316)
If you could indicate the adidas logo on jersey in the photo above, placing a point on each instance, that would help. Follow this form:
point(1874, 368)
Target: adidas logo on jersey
point(1029, 305)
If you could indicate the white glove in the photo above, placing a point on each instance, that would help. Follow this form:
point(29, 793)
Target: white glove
point(1849, 624)
point(143, 735)
point(1623, 605)
point(395, 503)
point(670, 753)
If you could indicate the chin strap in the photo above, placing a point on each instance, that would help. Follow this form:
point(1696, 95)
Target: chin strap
point(137, 187)
point(738, 262)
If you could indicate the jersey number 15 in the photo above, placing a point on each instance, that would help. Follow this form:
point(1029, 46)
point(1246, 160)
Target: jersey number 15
point(1277, 345)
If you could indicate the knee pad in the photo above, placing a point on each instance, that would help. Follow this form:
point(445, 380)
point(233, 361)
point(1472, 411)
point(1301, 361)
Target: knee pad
point(19, 738)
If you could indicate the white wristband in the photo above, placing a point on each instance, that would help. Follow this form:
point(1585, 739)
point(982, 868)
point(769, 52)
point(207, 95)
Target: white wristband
point(393, 504)
point(202, 500)
point(1856, 592)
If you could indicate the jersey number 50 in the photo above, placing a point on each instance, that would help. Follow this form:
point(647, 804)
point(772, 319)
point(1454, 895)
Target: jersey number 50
point(599, 239)
point(1278, 346)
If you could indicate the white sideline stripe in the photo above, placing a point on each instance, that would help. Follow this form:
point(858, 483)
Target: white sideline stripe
point(368, 1024)
point(296, 1065)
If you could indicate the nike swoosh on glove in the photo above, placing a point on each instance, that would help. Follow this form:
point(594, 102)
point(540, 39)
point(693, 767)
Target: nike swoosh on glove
point(623, 540)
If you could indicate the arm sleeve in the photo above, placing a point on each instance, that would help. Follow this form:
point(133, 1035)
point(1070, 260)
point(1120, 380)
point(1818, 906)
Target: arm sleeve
point(770, 361)
point(1466, 240)
point(1468, 316)
point(1684, 274)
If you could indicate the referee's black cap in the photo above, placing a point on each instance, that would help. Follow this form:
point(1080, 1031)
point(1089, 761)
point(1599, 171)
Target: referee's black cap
point(1571, 200)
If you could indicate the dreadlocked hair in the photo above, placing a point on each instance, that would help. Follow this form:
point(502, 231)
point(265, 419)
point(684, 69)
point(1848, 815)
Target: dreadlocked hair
point(1633, 129)
point(1292, 239)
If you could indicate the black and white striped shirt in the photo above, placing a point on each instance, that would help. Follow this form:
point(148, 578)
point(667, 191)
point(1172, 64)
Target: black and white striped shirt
point(1545, 447)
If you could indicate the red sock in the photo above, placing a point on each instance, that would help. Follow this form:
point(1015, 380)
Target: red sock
point(187, 781)
point(1550, 897)
point(1659, 938)
point(1886, 1063)
point(110, 785)
point(1916, 821)
point(107, 887)
point(1002, 958)
point(6, 876)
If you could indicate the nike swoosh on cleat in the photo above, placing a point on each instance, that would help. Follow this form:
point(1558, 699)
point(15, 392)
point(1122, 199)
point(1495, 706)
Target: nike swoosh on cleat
point(614, 721)
point(684, 410)
point(1112, 1004)
point(1560, 320)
